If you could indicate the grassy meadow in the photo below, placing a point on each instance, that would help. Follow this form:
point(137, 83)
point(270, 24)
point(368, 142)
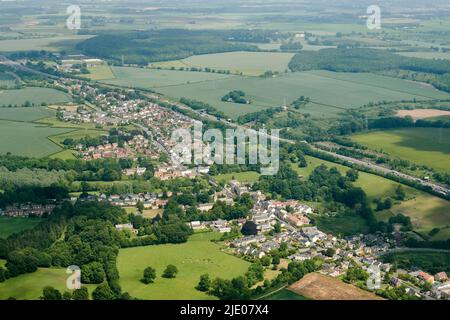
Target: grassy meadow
point(29, 286)
point(427, 146)
point(194, 258)
point(248, 176)
point(25, 114)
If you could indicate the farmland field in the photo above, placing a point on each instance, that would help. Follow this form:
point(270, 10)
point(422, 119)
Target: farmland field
point(330, 92)
point(320, 287)
point(194, 258)
point(8, 225)
point(285, 294)
point(248, 63)
point(153, 78)
point(76, 134)
point(44, 43)
point(29, 286)
point(424, 113)
point(24, 113)
point(428, 146)
point(28, 139)
point(34, 95)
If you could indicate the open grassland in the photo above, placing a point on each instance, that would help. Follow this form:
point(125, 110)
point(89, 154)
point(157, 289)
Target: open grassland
point(330, 92)
point(152, 78)
point(427, 146)
point(425, 210)
point(194, 258)
point(63, 155)
point(317, 286)
point(248, 176)
point(28, 139)
point(247, 63)
point(29, 286)
point(9, 226)
point(34, 95)
point(100, 72)
point(25, 114)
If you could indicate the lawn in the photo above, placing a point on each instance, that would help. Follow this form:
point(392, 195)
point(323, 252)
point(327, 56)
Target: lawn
point(34, 95)
point(8, 225)
point(248, 176)
point(29, 286)
point(330, 93)
point(194, 258)
point(247, 63)
point(28, 139)
point(427, 146)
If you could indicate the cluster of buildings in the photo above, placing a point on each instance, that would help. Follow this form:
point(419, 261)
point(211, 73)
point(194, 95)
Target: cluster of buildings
point(27, 210)
point(170, 172)
point(148, 200)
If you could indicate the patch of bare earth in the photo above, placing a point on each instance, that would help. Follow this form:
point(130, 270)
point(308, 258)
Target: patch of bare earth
point(317, 286)
point(422, 113)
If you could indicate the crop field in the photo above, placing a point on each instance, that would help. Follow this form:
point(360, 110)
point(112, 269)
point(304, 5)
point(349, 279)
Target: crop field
point(7, 80)
point(194, 258)
point(8, 225)
point(29, 286)
point(152, 78)
point(321, 287)
point(426, 54)
point(428, 146)
point(424, 114)
point(247, 63)
point(34, 95)
point(25, 114)
point(28, 139)
point(330, 93)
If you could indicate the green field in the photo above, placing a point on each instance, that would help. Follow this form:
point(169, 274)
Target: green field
point(43, 43)
point(29, 286)
point(427, 146)
point(34, 95)
point(8, 225)
point(248, 176)
point(153, 78)
point(427, 260)
point(426, 211)
point(25, 114)
point(194, 258)
point(28, 139)
point(330, 92)
point(248, 63)
point(100, 72)
point(76, 134)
